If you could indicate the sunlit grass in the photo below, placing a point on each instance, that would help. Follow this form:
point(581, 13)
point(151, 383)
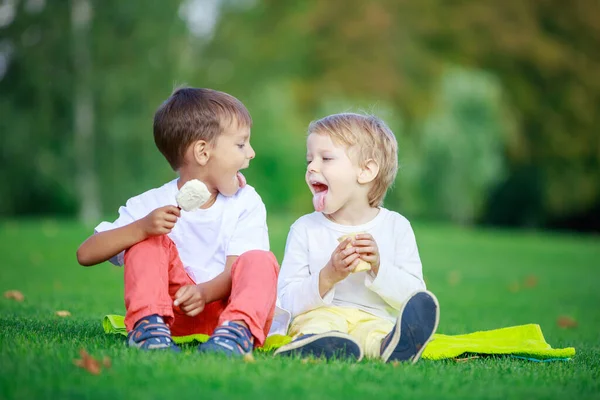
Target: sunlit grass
point(483, 279)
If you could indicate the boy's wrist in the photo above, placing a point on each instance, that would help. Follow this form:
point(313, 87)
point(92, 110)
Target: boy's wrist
point(327, 277)
point(139, 230)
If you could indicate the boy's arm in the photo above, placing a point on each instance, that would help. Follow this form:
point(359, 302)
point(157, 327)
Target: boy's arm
point(220, 286)
point(400, 277)
point(102, 246)
point(298, 289)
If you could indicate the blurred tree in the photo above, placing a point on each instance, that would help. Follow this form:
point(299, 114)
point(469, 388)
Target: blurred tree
point(51, 100)
point(83, 112)
point(287, 61)
point(458, 155)
point(545, 55)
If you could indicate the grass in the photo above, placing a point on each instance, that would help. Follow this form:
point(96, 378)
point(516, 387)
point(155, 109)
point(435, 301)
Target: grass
point(479, 277)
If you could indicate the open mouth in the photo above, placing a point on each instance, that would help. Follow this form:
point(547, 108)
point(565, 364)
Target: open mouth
point(318, 187)
point(320, 191)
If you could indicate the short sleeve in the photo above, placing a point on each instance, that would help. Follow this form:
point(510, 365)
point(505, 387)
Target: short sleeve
point(127, 214)
point(251, 232)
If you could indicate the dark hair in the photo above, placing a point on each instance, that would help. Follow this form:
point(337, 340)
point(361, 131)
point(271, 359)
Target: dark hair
point(192, 114)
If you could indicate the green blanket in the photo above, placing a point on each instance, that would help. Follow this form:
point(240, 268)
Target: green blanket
point(523, 341)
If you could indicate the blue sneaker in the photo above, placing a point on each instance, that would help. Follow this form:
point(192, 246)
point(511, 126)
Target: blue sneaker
point(331, 345)
point(231, 339)
point(415, 326)
point(151, 333)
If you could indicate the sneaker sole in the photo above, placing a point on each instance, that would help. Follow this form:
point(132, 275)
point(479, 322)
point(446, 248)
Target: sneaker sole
point(410, 338)
point(331, 345)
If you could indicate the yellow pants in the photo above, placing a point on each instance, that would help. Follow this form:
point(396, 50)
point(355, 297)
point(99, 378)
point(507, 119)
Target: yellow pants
point(367, 329)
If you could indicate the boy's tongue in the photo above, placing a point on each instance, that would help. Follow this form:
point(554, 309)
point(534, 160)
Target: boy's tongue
point(241, 179)
point(319, 200)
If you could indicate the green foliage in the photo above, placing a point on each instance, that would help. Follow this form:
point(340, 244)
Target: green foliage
point(286, 60)
point(459, 151)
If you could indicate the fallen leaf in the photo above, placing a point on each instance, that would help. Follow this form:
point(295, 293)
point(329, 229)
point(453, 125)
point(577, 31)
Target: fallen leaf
point(531, 281)
point(514, 287)
point(88, 363)
point(465, 359)
point(63, 313)
point(14, 294)
point(395, 363)
point(106, 362)
point(249, 358)
point(311, 360)
point(566, 322)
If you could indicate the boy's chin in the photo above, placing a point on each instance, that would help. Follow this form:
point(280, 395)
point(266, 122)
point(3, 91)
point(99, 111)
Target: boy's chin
point(229, 190)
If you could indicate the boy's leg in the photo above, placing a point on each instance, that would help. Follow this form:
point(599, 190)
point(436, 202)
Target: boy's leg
point(153, 272)
point(415, 326)
point(252, 301)
point(369, 331)
point(322, 332)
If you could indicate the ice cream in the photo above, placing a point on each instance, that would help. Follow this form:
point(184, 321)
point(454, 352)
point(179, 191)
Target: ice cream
point(192, 195)
point(362, 265)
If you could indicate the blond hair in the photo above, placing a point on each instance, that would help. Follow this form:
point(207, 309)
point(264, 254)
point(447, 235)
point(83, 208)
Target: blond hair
point(367, 137)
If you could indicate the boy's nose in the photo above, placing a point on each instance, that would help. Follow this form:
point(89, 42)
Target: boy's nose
point(251, 154)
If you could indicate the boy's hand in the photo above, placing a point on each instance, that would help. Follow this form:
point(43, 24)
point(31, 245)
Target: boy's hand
point(342, 263)
point(367, 249)
point(160, 221)
point(190, 299)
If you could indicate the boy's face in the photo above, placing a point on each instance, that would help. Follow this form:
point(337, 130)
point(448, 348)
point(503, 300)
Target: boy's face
point(330, 174)
point(230, 154)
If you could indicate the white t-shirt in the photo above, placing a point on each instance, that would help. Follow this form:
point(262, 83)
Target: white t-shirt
point(311, 241)
point(204, 238)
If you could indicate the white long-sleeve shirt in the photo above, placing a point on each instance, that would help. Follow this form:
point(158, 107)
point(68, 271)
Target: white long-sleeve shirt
point(311, 241)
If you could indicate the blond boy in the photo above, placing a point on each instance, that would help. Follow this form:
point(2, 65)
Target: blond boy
point(384, 312)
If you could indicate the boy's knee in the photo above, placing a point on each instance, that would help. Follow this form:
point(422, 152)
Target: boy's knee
point(148, 244)
point(260, 258)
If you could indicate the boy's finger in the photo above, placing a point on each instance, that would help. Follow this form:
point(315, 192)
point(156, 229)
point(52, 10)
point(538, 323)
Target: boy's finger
point(342, 245)
point(352, 265)
point(346, 252)
point(173, 210)
point(366, 250)
point(170, 217)
point(369, 259)
point(363, 236)
point(169, 225)
point(182, 295)
point(351, 258)
point(189, 306)
point(363, 242)
point(195, 310)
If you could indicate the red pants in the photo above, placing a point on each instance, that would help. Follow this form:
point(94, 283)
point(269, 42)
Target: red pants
point(154, 273)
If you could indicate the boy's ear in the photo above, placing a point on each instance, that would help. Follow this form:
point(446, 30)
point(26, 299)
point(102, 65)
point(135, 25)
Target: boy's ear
point(200, 150)
point(368, 171)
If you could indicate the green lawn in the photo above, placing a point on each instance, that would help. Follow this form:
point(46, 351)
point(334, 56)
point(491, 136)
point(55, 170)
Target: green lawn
point(475, 274)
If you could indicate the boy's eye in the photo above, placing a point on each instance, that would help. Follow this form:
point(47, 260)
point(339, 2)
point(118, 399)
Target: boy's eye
point(327, 158)
point(241, 146)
